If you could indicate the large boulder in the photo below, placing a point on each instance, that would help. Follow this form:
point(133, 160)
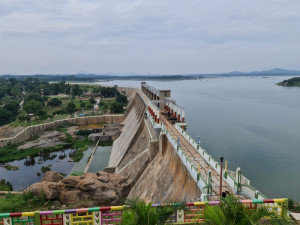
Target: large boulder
point(52, 176)
point(44, 189)
point(101, 188)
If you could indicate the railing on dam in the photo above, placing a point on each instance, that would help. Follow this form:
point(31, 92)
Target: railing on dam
point(234, 183)
point(192, 212)
point(204, 185)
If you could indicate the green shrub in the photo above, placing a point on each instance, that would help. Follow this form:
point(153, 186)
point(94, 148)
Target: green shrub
point(45, 169)
point(77, 173)
point(20, 202)
point(5, 185)
point(141, 213)
point(83, 132)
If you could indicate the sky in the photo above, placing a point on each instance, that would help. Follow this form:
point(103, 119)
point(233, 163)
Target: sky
point(148, 37)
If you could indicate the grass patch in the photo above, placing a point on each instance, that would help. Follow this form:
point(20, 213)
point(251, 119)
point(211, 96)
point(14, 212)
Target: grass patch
point(77, 173)
point(23, 202)
point(10, 152)
point(81, 146)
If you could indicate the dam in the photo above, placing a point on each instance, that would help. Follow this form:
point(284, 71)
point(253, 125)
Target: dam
point(164, 165)
point(160, 158)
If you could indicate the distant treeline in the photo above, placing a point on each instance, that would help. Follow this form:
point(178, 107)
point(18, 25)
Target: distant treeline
point(92, 77)
point(20, 98)
point(292, 82)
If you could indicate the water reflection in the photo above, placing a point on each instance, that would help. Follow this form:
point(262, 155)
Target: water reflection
point(30, 171)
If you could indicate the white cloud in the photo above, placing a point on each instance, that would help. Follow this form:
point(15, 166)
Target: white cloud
point(194, 35)
point(34, 23)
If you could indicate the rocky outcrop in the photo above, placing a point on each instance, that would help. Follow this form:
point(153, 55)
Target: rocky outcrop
point(52, 176)
point(46, 140)
point(100, 189)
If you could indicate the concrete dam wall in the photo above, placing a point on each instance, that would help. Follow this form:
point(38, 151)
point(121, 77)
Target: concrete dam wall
point(165, 178)
point(150, 162)
point(132, 123)
point(31, 131)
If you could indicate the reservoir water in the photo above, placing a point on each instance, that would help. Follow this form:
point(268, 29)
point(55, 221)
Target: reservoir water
point(29, 169)
point(251, 121)
point(27, 173)
point(100, 160)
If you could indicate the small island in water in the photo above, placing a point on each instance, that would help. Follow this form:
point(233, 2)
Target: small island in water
point(292, 82)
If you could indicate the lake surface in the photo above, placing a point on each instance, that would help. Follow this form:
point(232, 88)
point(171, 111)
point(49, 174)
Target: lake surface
point(251, 121)
point(27, 173)
point(28, 169)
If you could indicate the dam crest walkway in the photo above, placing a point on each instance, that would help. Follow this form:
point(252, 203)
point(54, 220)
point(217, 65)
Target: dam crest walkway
point(202, 167)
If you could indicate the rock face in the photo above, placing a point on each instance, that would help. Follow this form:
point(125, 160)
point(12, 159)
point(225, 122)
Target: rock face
point(47, 139)
point(52, 176)
point(99, 189)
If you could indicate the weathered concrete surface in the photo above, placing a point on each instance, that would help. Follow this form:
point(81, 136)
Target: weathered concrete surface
point(165, 179)
point(296, 217)
point(153, 167)
point(137, 144)
point(132, 124)
point(109, 132)
point(31, 131)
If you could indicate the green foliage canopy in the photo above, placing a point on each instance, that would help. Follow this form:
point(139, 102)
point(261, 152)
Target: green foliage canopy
point(33, 106)
point(55, 102)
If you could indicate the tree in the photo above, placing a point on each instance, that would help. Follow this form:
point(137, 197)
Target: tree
point(55, 102)
point(71, 108)
point(76, 91)
point(89, 106)
point(92, 101)
point(116, 107)
point(24, 117)
point(5, 116)
point(122, 99)
point(82, 105)
point(108, 92)
point(12, 106)
point(33, 106)
point(34, 96)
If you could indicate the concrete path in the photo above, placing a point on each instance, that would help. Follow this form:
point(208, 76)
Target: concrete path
point(295, 216)
point(91, 158)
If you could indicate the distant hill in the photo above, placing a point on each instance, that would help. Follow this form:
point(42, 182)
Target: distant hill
point(277, 71)
point(132, 76)
point(292, 82)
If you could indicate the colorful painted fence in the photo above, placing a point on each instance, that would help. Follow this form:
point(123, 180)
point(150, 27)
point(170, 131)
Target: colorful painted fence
point(194, 212)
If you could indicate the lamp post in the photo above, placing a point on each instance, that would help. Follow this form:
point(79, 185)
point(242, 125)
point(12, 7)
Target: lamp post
point(221, 167)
